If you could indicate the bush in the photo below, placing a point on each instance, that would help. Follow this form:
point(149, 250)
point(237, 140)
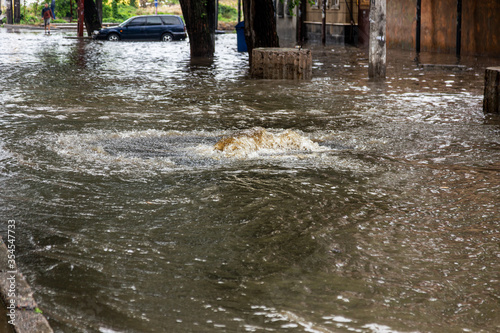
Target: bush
point(111, 20)
point(63, 8)
point(30, 19)
point(125, 11)
point(227, 13)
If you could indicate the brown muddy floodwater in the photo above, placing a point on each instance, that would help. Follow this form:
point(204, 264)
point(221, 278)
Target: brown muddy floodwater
point(360, 206)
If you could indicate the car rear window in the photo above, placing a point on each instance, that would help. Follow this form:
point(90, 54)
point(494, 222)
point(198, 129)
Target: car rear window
point(154, 20)
point(170, 20)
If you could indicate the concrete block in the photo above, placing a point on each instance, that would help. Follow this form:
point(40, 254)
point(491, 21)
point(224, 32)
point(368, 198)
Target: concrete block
point(281, 63)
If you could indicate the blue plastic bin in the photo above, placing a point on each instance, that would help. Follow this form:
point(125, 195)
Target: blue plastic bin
point(240, 35)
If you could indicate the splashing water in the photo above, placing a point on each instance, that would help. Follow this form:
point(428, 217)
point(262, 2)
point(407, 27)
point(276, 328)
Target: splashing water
point(257, 139)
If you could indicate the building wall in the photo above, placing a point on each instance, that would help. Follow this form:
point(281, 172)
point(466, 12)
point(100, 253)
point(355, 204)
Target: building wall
point(480, 26)
point(338, 21)
point(335, 14)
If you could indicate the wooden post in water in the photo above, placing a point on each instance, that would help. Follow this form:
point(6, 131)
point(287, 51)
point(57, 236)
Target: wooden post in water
point(491, 102)
point(377, 48)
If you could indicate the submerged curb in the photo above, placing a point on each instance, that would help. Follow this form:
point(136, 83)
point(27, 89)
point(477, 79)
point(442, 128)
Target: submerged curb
point(16, 294)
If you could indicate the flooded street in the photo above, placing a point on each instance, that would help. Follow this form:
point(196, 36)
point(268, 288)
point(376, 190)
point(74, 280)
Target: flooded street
point(375, 208)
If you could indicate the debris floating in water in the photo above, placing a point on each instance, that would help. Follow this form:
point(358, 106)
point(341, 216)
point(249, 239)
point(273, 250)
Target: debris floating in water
point(256, 139)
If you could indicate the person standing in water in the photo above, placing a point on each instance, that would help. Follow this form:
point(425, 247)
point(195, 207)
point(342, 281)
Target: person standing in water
point(46, 14)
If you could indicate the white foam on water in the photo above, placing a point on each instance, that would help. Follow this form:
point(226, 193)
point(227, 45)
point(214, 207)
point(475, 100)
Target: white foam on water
point(306, 325)
point(108, 330)
point(377, 328)
point(4, 155)
point(151, 152)
point(87, 150)
point(338, 319)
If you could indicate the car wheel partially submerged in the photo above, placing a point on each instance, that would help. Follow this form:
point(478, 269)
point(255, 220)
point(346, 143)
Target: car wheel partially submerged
point(167, 37)
point(113, 37)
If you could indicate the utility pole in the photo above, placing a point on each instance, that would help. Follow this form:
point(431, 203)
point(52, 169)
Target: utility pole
point(216, 15)
point(17, 11)
point(323, 22)
point(300, 23)
point(8, 11)
point(377, 48)
point(239, 11)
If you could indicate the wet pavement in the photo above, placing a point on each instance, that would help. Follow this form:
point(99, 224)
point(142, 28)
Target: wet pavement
point(371, 207)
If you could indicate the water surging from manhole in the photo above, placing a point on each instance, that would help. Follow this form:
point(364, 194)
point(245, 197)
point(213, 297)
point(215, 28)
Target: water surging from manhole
point(258, 139)
point(152, 151)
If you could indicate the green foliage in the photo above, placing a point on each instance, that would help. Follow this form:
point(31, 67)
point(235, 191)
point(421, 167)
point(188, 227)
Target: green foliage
point(118, 14)
point(151, 3)
point(63, 8)
point(125, 11)
point(227, 13)
point(29, 19)
point(106, 12)
point(114, 9)
point(294, 3)
point(37, 310)
point(32, 13)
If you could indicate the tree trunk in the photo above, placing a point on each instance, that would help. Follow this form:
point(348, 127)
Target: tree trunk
point(91, 17)
point(200, 24)
point(98, 4)
point(260, 25)
point(17, 11)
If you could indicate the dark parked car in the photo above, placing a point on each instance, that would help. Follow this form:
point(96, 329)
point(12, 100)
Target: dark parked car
point(148, 27)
